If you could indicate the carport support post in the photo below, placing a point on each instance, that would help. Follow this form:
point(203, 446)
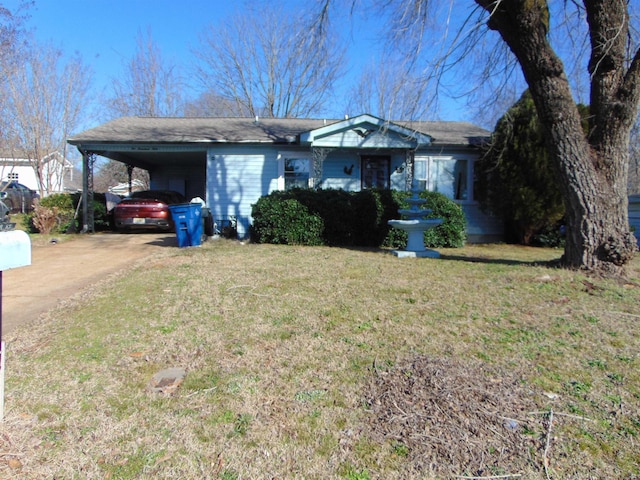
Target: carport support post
point(130, 173)
point(88, 159)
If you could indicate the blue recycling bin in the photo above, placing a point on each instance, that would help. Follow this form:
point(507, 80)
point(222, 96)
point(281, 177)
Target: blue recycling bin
point(187, 218)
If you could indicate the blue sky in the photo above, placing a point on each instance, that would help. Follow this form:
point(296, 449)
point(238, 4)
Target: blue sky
point(104, 32)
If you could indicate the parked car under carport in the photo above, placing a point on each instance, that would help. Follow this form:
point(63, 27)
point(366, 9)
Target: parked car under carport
point(147, 210)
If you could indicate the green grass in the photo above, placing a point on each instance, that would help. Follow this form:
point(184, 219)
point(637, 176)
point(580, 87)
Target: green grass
point(279, 344)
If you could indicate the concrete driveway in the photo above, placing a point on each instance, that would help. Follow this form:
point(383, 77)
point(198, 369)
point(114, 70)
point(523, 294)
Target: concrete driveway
point(61, 270)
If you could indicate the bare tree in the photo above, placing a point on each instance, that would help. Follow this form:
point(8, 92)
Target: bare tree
point(12, 42)
point(392, 89)
point(12, 34)
point(269, 63)
point(44, 100)
point(149, 85)
point(208, 104)
point(593, 167)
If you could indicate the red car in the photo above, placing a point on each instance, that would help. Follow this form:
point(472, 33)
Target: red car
point(148, 209)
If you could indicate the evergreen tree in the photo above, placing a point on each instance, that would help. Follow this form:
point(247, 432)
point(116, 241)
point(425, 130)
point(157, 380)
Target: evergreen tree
point(516, 179)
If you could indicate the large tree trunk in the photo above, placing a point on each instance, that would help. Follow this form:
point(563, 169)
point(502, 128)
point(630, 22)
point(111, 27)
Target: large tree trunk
point(593, 169)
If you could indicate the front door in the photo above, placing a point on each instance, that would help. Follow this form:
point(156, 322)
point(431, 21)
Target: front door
point(375, 171)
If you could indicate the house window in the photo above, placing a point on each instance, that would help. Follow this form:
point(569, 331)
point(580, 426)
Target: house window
point(446, 175)
point(295, 172)
point(375, 171)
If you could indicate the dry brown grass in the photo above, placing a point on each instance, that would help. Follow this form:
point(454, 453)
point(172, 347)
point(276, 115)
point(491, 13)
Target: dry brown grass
point(291, 353)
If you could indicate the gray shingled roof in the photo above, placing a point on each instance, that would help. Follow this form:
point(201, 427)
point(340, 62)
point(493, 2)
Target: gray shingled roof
point(247, 130)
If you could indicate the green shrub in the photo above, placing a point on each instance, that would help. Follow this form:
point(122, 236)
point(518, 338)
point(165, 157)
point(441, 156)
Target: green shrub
point(285, 221)
point(551, 236)
point(452, 232)
point(102, 220)
point(368, 219)
point(61, 206)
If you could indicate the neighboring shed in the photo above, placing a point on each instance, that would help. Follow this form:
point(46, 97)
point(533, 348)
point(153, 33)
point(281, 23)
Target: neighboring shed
point(232, 162)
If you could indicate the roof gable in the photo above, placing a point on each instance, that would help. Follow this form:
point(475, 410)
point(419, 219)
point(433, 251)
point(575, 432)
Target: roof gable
point(364, 131)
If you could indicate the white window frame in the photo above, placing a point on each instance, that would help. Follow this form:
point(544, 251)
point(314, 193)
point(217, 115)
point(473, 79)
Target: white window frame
point(429, 182)
point(282, 156)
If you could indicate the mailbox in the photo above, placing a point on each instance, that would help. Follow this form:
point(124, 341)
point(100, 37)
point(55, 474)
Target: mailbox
point(15, 249)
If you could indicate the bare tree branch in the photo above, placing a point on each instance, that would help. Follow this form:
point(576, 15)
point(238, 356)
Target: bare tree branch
point(149, 85)
point(44, 105)
point(270, 64)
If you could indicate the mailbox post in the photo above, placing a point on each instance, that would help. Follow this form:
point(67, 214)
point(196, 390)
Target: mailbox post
point(15, 251)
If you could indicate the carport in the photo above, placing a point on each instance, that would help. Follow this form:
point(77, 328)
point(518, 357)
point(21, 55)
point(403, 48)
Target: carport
point(174, 160)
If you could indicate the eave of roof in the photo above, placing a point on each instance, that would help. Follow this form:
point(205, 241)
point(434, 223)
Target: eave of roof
point(205, 130)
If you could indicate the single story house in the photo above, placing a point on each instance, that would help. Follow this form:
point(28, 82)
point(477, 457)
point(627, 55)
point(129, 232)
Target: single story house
point(232, 162)
point(55, 172)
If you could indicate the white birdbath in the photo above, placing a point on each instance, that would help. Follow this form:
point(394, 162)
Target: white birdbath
point(415, 225)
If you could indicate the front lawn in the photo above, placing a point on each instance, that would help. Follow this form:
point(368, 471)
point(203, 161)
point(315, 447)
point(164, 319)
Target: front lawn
point(320, 363)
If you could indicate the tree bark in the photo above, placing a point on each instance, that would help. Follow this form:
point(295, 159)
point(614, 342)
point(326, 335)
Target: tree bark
point(593, 168)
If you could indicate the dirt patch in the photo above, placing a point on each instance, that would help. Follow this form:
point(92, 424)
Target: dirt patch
point(455, 419)
point(60, 270)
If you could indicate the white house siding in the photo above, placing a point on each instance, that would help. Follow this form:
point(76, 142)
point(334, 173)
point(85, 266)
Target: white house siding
point(342, 171)
point(236, 181)
point(634, 215)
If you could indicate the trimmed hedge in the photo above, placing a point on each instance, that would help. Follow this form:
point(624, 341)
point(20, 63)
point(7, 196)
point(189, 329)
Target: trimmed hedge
point(340, 218)
point(285, 221)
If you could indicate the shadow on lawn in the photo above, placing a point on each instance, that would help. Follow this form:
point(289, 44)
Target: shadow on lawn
point(169, 241)
point(555, 263)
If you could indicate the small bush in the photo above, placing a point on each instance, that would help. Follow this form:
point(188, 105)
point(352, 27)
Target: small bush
point(285, 221)
point(52, 214)
point(43, 218)
point(452, 232)
point(551, 236)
